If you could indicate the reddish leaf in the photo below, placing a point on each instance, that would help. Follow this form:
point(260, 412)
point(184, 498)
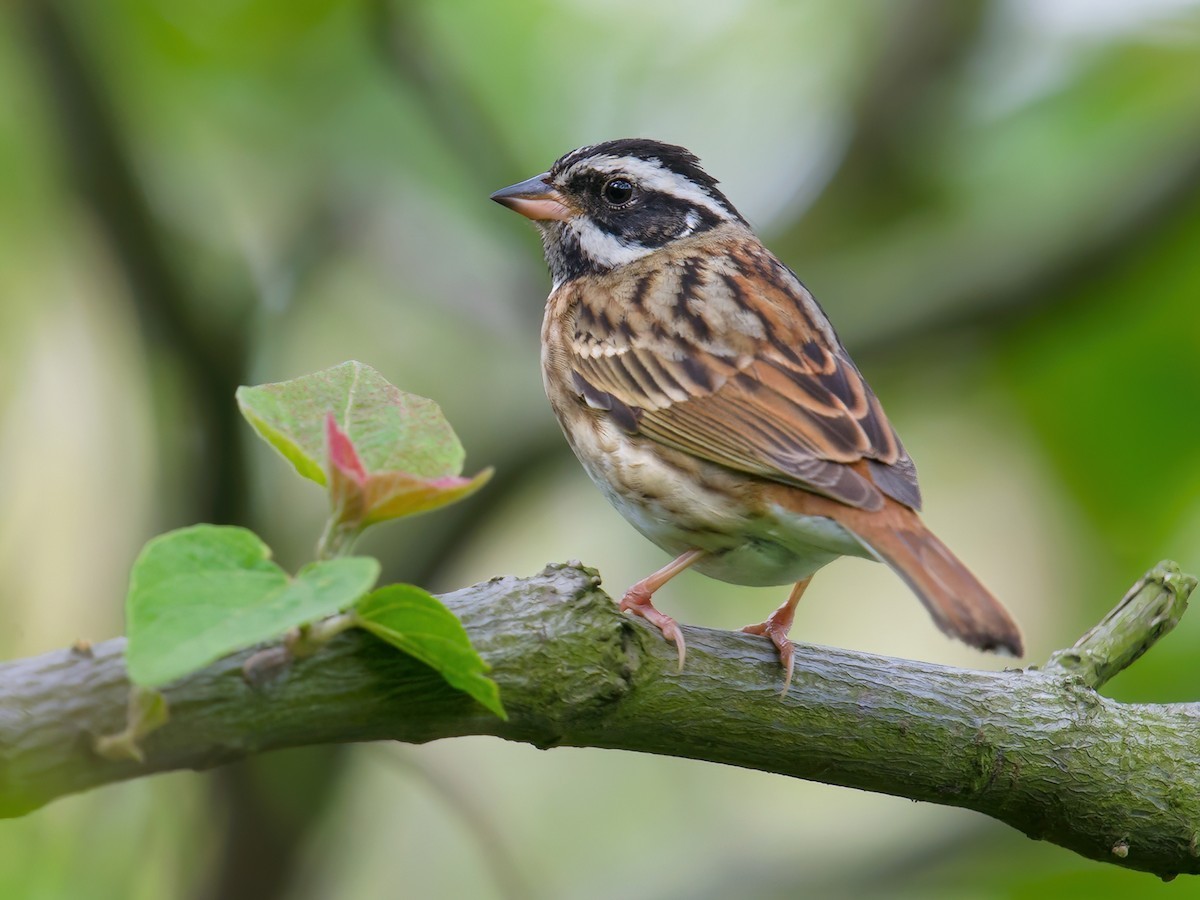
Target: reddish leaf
point(342, 454)
point(390, 495)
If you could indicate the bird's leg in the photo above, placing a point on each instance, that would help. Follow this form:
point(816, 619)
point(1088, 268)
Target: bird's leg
point(777, 626)
point(637, 599)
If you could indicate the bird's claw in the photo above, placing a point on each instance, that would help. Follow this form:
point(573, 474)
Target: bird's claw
point(787, 650)
point(638, 603)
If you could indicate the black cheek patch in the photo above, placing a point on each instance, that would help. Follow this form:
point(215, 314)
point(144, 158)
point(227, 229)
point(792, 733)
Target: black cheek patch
point(652, 219)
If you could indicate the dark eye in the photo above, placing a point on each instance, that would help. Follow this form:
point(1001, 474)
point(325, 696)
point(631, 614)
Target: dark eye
point(618, 191)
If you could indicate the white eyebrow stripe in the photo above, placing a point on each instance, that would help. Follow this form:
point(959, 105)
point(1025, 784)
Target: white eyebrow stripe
point(654, 176)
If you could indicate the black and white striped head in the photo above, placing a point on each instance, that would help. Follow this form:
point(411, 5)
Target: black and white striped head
point(609, 204)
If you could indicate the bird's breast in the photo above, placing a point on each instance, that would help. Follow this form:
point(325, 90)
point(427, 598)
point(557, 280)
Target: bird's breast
point(677, 500)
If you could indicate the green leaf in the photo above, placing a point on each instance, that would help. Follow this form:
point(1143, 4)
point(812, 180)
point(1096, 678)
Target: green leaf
point(391, 430)
point(201, 593)
point(417, 623)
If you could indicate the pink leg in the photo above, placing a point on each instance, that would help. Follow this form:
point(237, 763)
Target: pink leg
point(777, 626)
point(637, 600)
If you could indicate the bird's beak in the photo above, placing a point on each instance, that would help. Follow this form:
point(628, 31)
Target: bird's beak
point(534, 199)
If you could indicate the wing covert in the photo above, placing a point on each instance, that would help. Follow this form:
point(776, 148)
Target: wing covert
point(743, 370)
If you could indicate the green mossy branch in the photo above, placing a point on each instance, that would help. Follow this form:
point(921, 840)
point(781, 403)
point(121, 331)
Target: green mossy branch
point(1152, 607)
point(1037, 749)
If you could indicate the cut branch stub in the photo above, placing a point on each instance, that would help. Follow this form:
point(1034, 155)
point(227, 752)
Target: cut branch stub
point(1152, 608)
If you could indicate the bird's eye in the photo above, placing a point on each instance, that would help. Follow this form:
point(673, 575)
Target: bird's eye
point(618, 191)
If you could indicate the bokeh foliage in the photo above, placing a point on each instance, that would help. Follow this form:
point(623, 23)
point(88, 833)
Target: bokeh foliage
point(997, 202)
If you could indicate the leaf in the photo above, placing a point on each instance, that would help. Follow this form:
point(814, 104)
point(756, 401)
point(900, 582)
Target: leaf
point(201, 593)
point(362, 498)
point(343, 455)
point(390, 495)
point(390, 430)
point(417, 623)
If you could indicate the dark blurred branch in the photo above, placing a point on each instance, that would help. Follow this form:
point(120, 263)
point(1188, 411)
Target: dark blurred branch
point(924, 48)
point(881, 180)
point(490, 837)
point(260, 845)
point(1038, 290)
point(324, 231)
point(456, 113)
point(437, 541)
point(1039, 750)
point(100, 165)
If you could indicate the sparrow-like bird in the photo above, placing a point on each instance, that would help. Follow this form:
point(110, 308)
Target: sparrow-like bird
point(707, 395)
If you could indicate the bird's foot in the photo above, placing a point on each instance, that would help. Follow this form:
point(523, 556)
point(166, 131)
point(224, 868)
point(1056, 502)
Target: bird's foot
point(637, 601)
point(777, 631)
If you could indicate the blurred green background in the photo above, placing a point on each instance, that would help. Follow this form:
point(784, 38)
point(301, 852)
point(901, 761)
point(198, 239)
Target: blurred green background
point(998, 204)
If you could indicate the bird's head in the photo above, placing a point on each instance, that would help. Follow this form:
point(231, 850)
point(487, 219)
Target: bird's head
point(606, 205)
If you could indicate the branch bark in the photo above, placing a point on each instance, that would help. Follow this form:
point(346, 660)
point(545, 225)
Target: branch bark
point(1037, 749)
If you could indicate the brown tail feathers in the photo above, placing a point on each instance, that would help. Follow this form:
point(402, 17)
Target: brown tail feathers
point(960, 605)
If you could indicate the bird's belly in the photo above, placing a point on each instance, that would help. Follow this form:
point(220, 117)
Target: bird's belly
point(684, 503)
point(780, 548)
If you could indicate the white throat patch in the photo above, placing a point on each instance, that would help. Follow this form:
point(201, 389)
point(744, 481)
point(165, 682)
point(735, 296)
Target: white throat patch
point(602, 248)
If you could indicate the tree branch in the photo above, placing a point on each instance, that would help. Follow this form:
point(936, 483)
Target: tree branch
point(1152, 607)
point(1039, 750)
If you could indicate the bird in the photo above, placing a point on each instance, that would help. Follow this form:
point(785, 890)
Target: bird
point(707, 395)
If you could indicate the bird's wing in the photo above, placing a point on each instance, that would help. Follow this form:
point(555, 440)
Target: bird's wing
point(730, 359)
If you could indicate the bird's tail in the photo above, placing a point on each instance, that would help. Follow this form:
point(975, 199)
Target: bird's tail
point(959, 603)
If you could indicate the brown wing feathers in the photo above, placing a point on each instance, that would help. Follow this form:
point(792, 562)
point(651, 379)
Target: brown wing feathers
point(761, 387)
